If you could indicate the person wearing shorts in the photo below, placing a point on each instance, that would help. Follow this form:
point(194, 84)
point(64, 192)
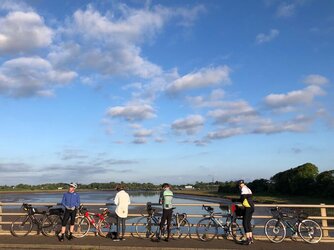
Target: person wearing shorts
point(71, 202)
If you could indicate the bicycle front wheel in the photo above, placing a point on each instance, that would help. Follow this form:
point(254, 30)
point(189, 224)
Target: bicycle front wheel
point(275, 230)
point(206, 229)
point(236, 232)
point(51, 225)
point(179, 230)
point(21, 226)
point(81, 227)
point(310, 231)
point(146, 228)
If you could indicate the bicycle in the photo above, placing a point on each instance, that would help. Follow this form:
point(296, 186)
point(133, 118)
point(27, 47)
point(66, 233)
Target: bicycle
point(307, 229)
point(207, 228)
point(148, 226)
point(23, 224)
point(102, 222)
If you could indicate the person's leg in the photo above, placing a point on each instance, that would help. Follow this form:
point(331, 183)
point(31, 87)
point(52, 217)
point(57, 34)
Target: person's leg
point(247, 224)
point(72, 216)
point(123, 227)
point(118, 226)
point(163, 221)
point(64, 222)
point(169, 220)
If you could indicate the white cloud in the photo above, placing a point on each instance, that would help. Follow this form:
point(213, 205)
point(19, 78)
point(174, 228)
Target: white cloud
point(132, 112)
point(23, 31)
point(294, 98)
point(143, 132)
point(286, 10)
point(234, 112)
point(189, 125)
point(11, 5)
point(214, 100)
point(264, 38)
point(224, 133)
point(315, 80)
point(29, 76)
point(298, 124)
point(206, 77)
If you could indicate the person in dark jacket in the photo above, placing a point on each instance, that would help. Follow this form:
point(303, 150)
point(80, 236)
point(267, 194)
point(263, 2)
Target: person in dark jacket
point(71, 202)
point(246, 199)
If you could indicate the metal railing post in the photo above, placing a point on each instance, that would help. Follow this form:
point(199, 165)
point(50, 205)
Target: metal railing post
point(0, 216)
point(324, 221)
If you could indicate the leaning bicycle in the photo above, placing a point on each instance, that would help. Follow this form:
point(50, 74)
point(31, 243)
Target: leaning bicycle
point(148, 226)
point(207, 228)
point(23, 224)
point(101, 222)
point(297, 222)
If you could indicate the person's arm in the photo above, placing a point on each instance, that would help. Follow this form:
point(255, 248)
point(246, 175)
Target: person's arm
point(116, 200)
point(63, 201)
point(161, 197)
point(129, 201)
point(78, 201)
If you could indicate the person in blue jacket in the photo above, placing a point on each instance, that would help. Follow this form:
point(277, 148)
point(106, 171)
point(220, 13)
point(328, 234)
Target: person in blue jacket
point(71, 202)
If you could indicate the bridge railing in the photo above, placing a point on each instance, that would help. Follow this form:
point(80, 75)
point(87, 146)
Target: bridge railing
point(322, 213)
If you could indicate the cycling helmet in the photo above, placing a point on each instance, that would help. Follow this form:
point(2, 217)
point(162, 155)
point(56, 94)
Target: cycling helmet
point(73, 184)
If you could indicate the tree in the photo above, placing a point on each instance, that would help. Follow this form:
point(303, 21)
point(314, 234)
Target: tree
point(298, 181)
point(325, 183)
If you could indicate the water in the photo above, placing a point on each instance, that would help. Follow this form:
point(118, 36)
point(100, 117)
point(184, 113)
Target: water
point(106, 197)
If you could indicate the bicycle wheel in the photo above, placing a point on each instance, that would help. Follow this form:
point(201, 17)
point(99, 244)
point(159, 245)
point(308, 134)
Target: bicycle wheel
point(179, 230)
point(146, 228)
point(206, 229)
point(21, 226)
point(105, 226)
point(236, 232)
point(51, 225)
point(81, 227)
point(310, 231)
point(275, 230)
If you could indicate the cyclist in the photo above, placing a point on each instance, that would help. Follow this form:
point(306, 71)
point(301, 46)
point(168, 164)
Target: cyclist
point(166, 198)
point(248, 204)
point(71, 202)
point(122, 202)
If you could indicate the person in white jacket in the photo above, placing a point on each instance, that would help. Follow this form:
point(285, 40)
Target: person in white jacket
point(122, 202)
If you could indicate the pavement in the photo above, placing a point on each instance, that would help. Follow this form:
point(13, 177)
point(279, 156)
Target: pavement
point(131, 243)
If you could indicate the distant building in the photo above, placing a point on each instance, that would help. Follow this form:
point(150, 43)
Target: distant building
point(60, 188)
point(188, 187)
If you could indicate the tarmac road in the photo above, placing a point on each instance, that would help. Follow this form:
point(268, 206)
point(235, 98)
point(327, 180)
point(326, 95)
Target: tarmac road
point(92, 242)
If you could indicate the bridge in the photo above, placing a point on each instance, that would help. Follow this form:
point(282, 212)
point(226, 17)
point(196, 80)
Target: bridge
point(323, 214)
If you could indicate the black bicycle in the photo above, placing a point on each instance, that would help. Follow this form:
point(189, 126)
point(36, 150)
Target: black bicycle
point(207, 228)
point(297, 222)
point(44, 221)
point(148, 226)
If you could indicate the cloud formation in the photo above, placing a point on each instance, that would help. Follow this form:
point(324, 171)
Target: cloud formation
point(30, 76)
point(23, 31)
point(132, 112)
point(264, 38)
point(189, 125)
point(205, 77)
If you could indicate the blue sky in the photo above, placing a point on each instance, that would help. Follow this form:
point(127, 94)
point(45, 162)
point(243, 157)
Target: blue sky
point(164, 91)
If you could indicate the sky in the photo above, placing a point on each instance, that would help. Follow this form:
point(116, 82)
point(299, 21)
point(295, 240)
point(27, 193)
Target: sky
point(164, 91)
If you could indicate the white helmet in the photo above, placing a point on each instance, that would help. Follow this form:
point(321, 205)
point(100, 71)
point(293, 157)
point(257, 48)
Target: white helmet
point(73, 184)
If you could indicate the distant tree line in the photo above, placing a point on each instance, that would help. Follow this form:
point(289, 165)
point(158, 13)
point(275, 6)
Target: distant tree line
point(302, 180)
